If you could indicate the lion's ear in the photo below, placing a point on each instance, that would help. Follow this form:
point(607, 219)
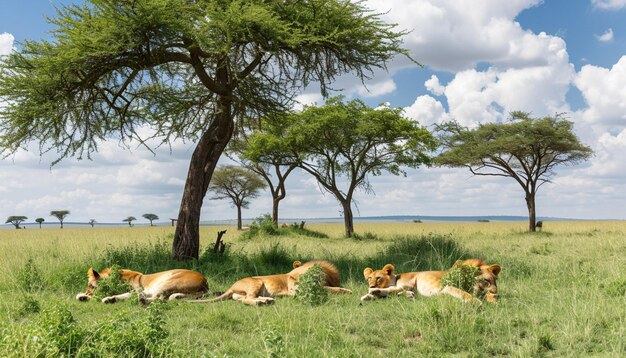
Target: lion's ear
point(389, 269)
point(297, 264)
point(367, 272)
point(93, 273)
point(494, 269)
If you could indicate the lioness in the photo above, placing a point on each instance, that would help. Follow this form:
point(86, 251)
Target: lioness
point(259, 290)
point(428, 283)
point(172, 284)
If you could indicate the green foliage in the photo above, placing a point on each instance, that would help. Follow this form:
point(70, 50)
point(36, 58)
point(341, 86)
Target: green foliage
point(29, 278)
point(365, 236)
point(150, 217)
point(237, 184)
point(16, 220)
point(616, 288)
point(111, 285)
point(273, 342)
point(310, 289)
point(28, 306)
point(462, 277)
point(56, 333)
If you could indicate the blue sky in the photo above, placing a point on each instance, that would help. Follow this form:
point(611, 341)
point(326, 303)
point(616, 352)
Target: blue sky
point(482, 59)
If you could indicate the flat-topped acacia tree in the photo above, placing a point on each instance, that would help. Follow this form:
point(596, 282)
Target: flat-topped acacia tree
point(184, 69)
point(16, 220)
point(60, 215)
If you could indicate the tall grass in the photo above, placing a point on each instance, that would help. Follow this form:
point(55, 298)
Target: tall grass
point(562, 292)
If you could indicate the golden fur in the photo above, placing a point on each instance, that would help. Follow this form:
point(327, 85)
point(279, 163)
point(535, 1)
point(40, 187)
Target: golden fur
point(172, 284)
point(428, 283)
point(258, 290)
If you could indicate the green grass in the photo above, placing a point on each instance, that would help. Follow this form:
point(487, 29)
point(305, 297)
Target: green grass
point(562, 293)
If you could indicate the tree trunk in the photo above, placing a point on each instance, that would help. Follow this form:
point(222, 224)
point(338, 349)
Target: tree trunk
point(186, 243)
point(348, 219)
point(239, 226)
point(61, 224)
point(530, 203)
point(275, 202)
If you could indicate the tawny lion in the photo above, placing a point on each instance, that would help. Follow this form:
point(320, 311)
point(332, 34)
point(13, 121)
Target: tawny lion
point(172, 284)
point(428, 283)
point(259, 290)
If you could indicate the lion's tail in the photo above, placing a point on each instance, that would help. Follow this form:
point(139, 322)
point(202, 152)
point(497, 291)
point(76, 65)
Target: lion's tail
point(223, 297)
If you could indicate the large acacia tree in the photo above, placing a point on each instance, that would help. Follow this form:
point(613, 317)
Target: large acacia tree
point(237, 184)
point(526, 149)
point(343, 143)
point(16, 220)
point(183, 68)
point(60, 215)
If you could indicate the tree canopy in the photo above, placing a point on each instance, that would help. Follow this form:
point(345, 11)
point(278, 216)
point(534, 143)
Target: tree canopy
point(60, 215)
point(342, 143)
point(40, 221)
point(526, 149)
point(184, 69)
point(16, 220)
point(150, 217)
point(237, 184)
point(129, 220)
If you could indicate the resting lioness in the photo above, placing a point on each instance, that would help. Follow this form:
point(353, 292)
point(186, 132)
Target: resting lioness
point(258, 290)
point(428, 283)
point(172, 284)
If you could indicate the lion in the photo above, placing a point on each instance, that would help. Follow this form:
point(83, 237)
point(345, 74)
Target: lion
point(172, 284)
point(261, 290)
point(428, 283)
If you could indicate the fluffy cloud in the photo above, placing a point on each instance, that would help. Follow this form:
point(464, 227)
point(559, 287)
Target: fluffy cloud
point(426, 110)
point(609, 4)
point(604, 91)
point(6, 43)
point(606, 37)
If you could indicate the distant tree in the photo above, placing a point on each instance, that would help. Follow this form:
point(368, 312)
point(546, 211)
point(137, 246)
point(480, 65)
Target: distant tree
point(16, 220)
point(266, 153)
point(60, 214)
point(237, 184)
point(129, 220)
point(347, 142)
point(525, 149)
point(186, 69)
point(150, 217)
point(39, 221)
point(92, 222)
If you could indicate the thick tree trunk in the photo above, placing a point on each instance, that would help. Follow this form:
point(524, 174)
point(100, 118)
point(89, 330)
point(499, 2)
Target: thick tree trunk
point(239, 226)
point(186, 243)
point(348, 219)
point(532, 219)
point(275, 202)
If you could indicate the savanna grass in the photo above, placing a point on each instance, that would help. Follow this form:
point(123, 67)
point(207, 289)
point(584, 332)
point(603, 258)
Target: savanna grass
point(560, 292)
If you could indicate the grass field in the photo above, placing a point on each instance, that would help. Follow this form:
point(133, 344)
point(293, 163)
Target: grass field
point(562, 293)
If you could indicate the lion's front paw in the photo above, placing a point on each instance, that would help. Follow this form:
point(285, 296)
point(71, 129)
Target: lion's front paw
point(82, 297)
point(368, 297)
point(110, 299)
point(410, 294)
point(374, 291)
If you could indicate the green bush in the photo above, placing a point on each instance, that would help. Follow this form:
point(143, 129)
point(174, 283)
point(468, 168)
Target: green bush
point(463, 277)
point(28, 306)
point(29, 278)
point(310, 287)
point(111, 285)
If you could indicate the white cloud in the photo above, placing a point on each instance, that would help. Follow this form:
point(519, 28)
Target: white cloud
point(426, 110)
point(434, 86)
point(377, 89)
point(606, 37)
point(609, 4)
point(6, 43)
point(604, 91)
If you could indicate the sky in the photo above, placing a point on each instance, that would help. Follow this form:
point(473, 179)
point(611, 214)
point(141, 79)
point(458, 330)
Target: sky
point(482, 59)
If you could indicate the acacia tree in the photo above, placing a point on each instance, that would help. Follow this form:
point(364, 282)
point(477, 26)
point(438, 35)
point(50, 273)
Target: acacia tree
point(265, 153)
point(60, 215)
point(237, 184)
point(16, 220)
point(151, 217)
point(92, 222)
point(39, 221)
point(526, 149)
point(183, 68)
point(129, 220)
point(342, 143)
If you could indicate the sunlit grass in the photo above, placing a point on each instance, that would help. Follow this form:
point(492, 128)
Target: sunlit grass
point(560, 289)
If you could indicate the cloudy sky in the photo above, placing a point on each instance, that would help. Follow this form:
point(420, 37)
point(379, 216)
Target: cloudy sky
point(482, 59)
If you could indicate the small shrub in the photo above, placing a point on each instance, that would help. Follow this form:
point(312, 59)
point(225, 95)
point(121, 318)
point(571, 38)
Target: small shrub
point(545, 343)
point(262, 226)
point(274, 343)
point(28, 306)
point(310, 287)
point(112, 285)
point(616, 288)
point(29, 278)
point(366, 236)
point(462, 277)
